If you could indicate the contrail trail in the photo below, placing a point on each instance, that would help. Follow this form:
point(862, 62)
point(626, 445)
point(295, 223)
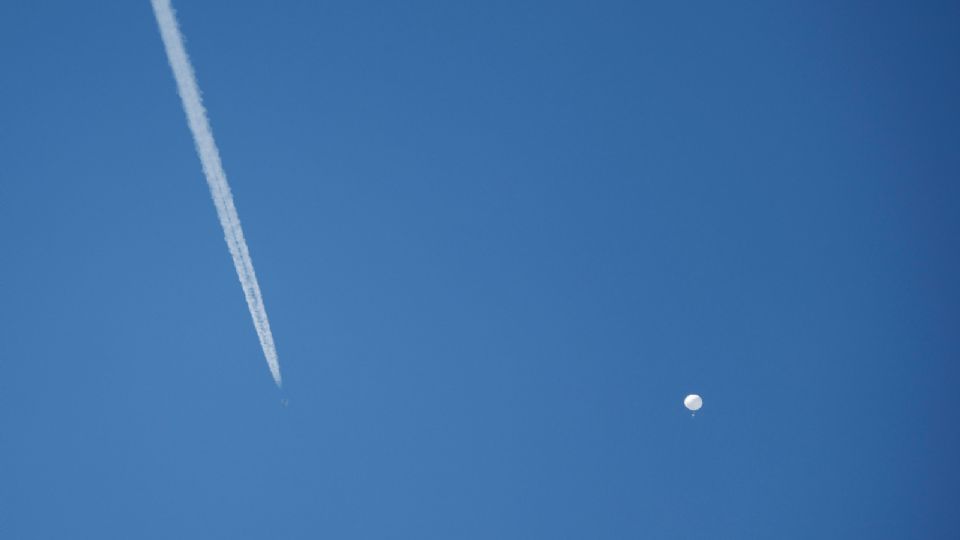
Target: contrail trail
point(216, 178)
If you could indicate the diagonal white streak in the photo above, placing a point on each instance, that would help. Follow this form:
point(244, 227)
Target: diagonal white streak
point(216, 178)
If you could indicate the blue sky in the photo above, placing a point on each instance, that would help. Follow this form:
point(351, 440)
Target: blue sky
point(498, 243)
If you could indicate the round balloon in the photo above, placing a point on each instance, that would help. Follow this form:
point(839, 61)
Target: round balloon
point(693, 402)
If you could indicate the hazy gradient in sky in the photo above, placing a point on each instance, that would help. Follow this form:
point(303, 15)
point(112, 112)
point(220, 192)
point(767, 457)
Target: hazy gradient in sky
point(501, 242)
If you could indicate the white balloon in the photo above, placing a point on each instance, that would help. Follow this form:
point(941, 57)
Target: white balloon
point(693, 402)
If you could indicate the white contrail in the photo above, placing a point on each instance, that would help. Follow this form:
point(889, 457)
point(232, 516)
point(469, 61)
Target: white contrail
point(216, 178)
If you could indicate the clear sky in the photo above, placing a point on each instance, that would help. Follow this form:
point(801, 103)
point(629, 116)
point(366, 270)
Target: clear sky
point(498, 243)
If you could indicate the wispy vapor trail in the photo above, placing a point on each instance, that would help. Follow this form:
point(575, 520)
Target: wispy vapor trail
point(216, 178)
